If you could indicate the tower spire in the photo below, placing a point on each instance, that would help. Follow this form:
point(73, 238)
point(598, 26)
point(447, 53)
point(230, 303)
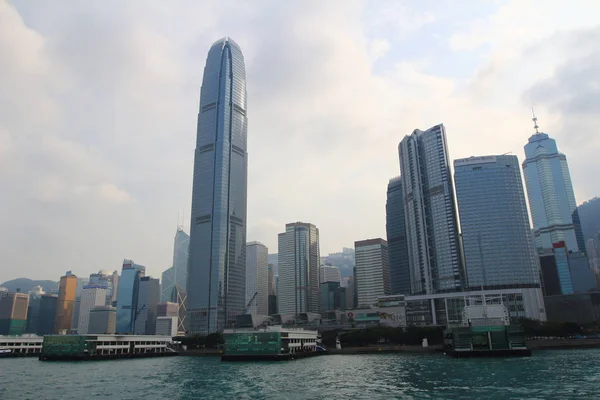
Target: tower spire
point(534, 119)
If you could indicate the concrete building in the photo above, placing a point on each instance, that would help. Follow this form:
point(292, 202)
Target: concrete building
point(13, 313)
point(430, 213)
point(299, 260)
point(372, 271)
point(67, 291)
point(91, 296)
point(177, 273)
point(329, 273)
point(108, 279)
point(550, 192)
point(496, 234)
point(147, 302)
point(168, 309)
point(166, 326)
point(257, 278)
point(216, 284)
point(395, 226)
point(127, 296)
point(102, 320)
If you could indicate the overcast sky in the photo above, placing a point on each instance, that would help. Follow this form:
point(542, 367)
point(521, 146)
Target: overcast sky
point(99, 100)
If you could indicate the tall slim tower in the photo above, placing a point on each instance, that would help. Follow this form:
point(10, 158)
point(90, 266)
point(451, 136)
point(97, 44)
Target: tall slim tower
point(257, 278)
point(216, 281)
point(430, 213)
point(396, 237)
point(65, 304)
point(551, 197)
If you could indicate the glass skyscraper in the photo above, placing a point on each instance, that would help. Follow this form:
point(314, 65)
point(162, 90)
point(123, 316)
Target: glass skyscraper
point(127, 295)
point(430, 213)
point(551, 197)
point(396, 238)
point(496, 235)
point(177, 274)
point(216, 281)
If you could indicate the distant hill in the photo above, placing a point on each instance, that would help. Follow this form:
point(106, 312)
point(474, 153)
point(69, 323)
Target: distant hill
point(589, 214)
point(25, 285)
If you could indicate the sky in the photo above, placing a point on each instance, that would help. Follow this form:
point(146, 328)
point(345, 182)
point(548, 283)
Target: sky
point(99, 101)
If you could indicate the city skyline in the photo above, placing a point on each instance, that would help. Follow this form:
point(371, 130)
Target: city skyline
point(108, 170)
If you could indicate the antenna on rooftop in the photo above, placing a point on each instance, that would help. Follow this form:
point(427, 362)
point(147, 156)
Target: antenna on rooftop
point(534, 119)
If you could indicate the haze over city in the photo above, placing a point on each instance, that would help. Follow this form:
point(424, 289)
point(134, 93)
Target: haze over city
point(99, 101)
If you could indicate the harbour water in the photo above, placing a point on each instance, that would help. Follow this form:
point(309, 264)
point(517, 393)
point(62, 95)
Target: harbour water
point(550, 374)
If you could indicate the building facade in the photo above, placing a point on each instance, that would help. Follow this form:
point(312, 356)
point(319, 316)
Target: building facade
point(65, 304)
point(92, 296)
point(430, 213)
point(177, 274)
point(496, 234)
point(329, 273)
point(551, 196)
point(13, 313)
point(144, 319)
point(103, 320)
point(395, 226)
point(257, 278)
point(299, 260)
point(372, 271)
point(216, 284)
point(128, 295)
point(332, 297)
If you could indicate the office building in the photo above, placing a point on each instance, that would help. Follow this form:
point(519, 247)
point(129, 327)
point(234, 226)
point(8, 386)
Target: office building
point(13, 313)
point(108, 279)
point(372, 271)
point(67, 291)
point(33, 309)
point(144, 320)
point(91, 296)
point(582, 276)
point(329, 273)
point(496, 234)
point(551, 196)
point(299, 260)
point(168, 309)
point(332, 297)
point(81, 282)
point(351, 294)
point(257, 279)
point(430, 213)
point(555, 272)
point(396, 237)
point(177, 274)
point(593, 252)
point(179, 296)
point(128, 295)
point(216, 282)
point(47, 314)
point(166, 326)
point(103, 320)
point(579, 308)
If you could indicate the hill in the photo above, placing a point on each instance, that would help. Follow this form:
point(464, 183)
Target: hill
point(589, 214)
point(25, 285)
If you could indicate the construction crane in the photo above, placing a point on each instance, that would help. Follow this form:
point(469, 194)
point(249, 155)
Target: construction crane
point(135, 317)
point(249, 303)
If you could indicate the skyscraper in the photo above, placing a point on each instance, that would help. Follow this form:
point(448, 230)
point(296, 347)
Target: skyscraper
point(147, 303)
point(299, 259)
point(91, 296)
point(496, 235)
point(177, 274)
point(128, 294)
point(13, 313)
point(216, 282)
point(329, 273)
point(550, 192)
point(396, 237)
point(257, 278)
point(430, 213)
point(372, 271)
point(67, 290)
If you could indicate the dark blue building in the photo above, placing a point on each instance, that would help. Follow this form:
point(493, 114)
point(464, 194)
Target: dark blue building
point(396, 238)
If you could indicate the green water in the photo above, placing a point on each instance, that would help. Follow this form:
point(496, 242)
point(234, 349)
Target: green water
point(568, 374)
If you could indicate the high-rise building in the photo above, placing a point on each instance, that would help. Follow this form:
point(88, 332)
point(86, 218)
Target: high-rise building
point(430, 213)
point(216, 282)
point(257, 278)
point(103, 320)
point(395, 226)
point(496, 234)
point(67, 291)
point(168, 309)
point(128, 295)
point(179, 296)
point(582, 276)
point(166, 326)
point(299, 260)
point(332, 297)
point(177, 274)
point(47, 314)
point(13, 313)
point(329, 273)
point(91, 296)
point(81, 282)
point(551, 196)
point(108, 279)
point(148, 298)
point(372, 271)
point(33, 310)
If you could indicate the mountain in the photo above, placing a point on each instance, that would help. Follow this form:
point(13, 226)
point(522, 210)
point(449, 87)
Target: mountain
point(589, 214)
point(25, 285)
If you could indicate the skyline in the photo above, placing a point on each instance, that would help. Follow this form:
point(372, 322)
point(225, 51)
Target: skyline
point(106, 152)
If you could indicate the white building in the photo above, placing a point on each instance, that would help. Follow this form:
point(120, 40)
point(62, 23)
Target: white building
point(257, 278)
point(91, 296)
point(166, 326)
point(329, 273)
point(372, 271)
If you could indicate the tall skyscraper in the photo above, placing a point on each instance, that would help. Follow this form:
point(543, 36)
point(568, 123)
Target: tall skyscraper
point(147, 303)
point(329, 273)
point(67, 290)
point(216, 282)
point(396, 237)
point(91, 296)
point(13, 313)
point(372, 271)
point(550, 192)
point(128, 294)
point(177, 274)
point(299, 259)
point(496, 235)
point(257, 278)
point(109, 279)
point(430, 213)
